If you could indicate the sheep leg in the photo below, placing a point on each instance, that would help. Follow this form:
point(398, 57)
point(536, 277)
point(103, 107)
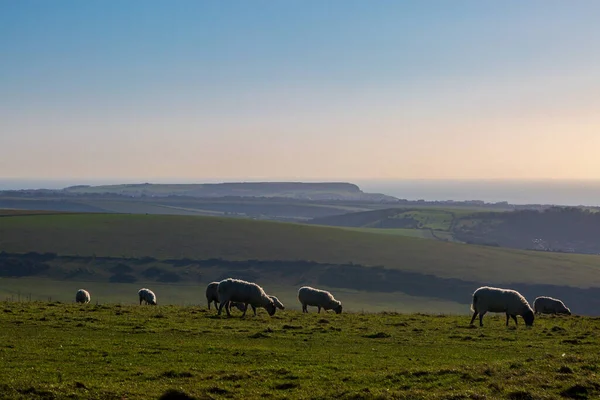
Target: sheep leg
point(319, 312)
point(507, 318)
point(209, 304)
point(245, 309)
point(140, 301)
point(514, 317)
point(224, 304)
point(216, 304)
point(474, 316)
point(304, 308)
point(481, 318)
point(253, 309)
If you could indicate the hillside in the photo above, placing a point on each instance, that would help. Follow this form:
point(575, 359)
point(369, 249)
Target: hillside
point(115, 249)
point(296, 190)
point(561, 229)
point(268, 208)
point(166, 237)
point(565, 229)
point(425, 222)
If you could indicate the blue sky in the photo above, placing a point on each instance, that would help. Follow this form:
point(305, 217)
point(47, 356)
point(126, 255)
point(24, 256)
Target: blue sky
point(320, 90)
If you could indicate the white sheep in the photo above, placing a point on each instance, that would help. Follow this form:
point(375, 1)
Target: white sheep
point(549, 305)
point(148, 296)
point(212, 295)
point(82, 296)
point(235, 290)
point(309, 296)
point(489, 299)
point(278, 304)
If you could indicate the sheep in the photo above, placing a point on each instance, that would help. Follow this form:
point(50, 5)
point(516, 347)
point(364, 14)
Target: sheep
point(489, 299)
point(548, 305)
point(213, 296)
point(148, 296)
point(309, 296)
point(82, 296)
point(278, 304)
point(235, 290)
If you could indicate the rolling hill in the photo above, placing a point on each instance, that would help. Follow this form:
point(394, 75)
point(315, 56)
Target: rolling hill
point(182, 250)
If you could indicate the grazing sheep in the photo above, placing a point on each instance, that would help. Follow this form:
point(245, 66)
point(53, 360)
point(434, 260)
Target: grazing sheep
point(309, 296)
point(82, 296)
point(276, 301)
point(548, 305)
point(235, 290)
point(489, 299)
point(212, 295)
point(148, 296)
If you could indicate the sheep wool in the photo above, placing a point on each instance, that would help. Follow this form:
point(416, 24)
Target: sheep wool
point(82, 296)
point(489, 299)
point(549, 305)
point(148, 296)
point(309, 296)
point(249, 293)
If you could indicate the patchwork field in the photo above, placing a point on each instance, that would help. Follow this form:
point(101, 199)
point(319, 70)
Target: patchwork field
point(58, 351)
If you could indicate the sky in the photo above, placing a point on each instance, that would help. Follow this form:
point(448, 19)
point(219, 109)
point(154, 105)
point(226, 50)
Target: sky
point(320, 90)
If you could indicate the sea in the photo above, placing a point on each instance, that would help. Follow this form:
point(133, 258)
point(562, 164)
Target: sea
point(555, 192)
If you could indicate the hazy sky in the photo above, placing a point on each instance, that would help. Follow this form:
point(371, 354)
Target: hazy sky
point(299, 89)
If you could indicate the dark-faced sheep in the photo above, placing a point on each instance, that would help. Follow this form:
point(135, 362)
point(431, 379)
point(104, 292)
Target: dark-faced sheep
point(489, 299)
point(148, 296)
point(212, 296)
point(549, 305)
point(82, 296)
point(309, 296)
point(278, 304)
point(248, 293)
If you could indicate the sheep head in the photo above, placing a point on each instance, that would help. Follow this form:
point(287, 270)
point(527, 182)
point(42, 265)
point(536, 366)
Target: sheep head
point(338, 308)
point(270, 307)
point(528, 317)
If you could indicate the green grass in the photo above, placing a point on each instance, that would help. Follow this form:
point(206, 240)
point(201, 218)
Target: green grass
point(413, 221)
point(240, 239)
point(57, 351)
point(418, 233)
point(432, 219)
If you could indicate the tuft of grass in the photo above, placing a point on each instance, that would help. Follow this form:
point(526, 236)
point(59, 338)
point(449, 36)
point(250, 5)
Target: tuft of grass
point(174, 374)
point(378, 335)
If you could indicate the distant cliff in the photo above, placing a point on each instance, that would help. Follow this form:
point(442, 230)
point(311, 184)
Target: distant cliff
point(296, 190)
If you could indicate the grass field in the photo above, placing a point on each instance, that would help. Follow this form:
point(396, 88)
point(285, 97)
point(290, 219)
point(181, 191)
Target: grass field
point(418, 233)
point(58, 351)
point(240, 239)
point(413, 221)
point(43, 289)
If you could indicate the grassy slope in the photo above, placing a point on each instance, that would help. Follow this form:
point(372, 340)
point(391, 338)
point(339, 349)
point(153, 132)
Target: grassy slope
point(43, 289)
point(61, 351)
point(437, 219)
point(418, 233)
point(237, 239)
